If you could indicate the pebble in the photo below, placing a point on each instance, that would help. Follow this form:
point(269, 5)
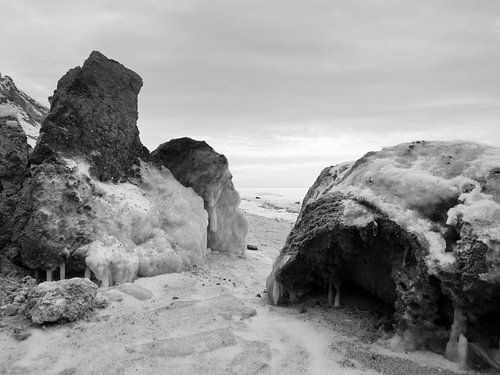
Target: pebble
point(21, 335)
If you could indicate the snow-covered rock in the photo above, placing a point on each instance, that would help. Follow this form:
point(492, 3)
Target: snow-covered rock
point(93, 203)
point(195, 164)
point(417, 225)
point(18, 105)
point(119, 231)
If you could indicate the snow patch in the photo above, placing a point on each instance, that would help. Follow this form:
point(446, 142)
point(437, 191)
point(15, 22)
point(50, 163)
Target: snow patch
point(31, 128)
point(356, 215)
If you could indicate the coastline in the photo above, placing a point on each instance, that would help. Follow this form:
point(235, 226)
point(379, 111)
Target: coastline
point(216, 319)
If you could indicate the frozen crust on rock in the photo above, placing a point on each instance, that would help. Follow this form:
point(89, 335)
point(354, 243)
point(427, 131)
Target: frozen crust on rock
point(418, 226)
point(195, 164)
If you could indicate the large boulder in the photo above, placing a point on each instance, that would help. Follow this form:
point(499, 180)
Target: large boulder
point(62, 301)
point(93, 203)
point(94, 113)
point(418, 226)
point(197, 165)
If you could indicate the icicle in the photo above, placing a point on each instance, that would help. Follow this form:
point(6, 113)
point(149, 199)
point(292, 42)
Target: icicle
point(87, 273)
point(62, 271)
point(462, 351)
point(332, 283)
point(49, 275)
point(276, 292)
point(457, 329)
point(330, 292)
point(105, 283)
point(213, 219)
point(337, 294)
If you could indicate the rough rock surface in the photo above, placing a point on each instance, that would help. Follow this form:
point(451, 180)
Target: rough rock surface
point(14, 294)
point(64, 300)
point(195, 164)
point(418, 226)
point(92, 203)
point(93, 113)
point(13, 171)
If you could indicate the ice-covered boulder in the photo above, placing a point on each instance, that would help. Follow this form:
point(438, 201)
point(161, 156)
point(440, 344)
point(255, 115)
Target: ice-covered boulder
point(195, 164)
point(418, 226)
point(119, 231)
point(62, 301)
point(93, 203)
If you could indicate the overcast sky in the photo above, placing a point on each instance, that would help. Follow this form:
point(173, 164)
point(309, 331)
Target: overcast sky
point(282, 88)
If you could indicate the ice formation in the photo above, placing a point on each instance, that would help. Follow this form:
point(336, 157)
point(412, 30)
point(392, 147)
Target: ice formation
point(148, 228)
point(195, 164)
point(418, 226)
point(414, 183)
point(92, 203)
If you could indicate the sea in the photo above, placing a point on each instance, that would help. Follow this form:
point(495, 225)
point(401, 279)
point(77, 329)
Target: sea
point(281, 203)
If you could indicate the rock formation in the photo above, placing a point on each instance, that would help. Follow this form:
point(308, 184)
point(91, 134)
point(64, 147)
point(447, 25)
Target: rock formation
point(13, 171)
point(92, 204)
point(418, 226)
point(64, 300)
point(195, 164)
point(20, 118)
point(94, 113)
point(21, 107)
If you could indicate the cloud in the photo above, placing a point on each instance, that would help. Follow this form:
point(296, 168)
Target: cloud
point(304, 82)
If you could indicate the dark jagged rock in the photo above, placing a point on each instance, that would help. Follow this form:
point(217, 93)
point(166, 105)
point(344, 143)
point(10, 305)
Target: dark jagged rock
point(418, 226)
point(197, 165)
point(13, 171)
point(93, 115)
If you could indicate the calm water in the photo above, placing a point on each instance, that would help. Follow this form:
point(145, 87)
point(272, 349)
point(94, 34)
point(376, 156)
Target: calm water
point(278, 194)
point(273, 202)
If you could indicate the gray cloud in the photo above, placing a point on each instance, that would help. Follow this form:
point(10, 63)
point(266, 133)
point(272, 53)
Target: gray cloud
point(283, 88)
